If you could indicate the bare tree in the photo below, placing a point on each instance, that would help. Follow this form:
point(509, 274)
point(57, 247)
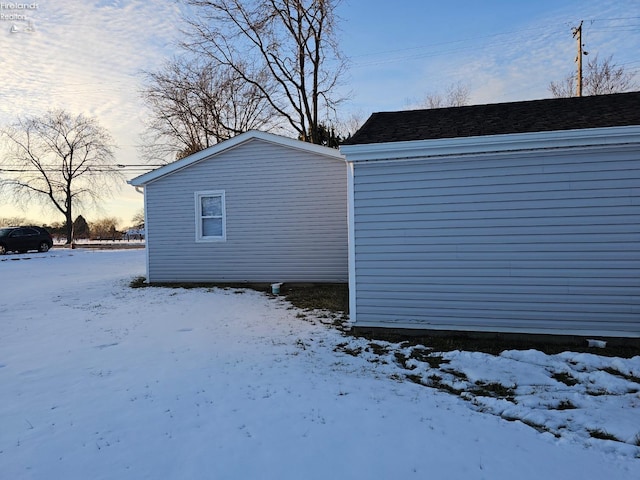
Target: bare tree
point(195, 105)
point(105, 229)
point(286, 49)
point(14, 221)
point(564, 88)
point(138, 219)
point(600, 78)
point(349, 124)
point(60, 160)
point(456, 95)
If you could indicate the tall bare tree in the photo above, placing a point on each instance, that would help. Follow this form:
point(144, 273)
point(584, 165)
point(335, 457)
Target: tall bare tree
point(60, 160)
point(456, 95)
point(286, 49)
point(197, 104)
point(600, 78)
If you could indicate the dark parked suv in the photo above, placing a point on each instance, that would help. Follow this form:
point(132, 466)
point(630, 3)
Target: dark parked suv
point(21, 239)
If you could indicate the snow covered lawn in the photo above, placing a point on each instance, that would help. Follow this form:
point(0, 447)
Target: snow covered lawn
point(102, 381)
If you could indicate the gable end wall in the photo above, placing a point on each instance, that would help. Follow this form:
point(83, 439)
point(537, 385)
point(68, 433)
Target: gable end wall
point(285, 218)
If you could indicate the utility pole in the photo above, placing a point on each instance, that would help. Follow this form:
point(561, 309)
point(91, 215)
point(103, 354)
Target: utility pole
point(577, 34)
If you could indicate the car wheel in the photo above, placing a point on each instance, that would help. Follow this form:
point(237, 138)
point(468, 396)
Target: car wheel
point(44, 247)
point(3, 250)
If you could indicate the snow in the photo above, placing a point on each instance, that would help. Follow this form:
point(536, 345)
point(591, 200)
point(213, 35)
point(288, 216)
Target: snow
point(103, 381)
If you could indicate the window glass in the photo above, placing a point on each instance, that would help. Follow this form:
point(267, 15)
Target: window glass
point(212, 227)
point(211, 216)
point(212, 206)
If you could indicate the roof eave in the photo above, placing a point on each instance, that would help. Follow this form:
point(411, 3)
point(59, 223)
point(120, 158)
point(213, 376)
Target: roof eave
point(513, 142)
point(217, 149)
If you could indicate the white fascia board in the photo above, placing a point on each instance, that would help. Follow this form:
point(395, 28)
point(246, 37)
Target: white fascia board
point(233, 143)
point(515, 142)
point(353, 287)
point(299, 145)
point(146, 238)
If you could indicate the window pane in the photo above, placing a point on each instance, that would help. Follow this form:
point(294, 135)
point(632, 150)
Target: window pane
point(211, 206)
point(212, 227)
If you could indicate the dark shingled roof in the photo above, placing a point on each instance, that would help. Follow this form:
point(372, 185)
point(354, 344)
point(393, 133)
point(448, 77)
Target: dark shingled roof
point(614, 110)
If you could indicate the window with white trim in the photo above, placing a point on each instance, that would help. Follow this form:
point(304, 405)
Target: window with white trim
point(210, 217)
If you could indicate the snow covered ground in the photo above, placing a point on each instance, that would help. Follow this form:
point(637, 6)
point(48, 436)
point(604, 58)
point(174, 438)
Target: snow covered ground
point(102, 381)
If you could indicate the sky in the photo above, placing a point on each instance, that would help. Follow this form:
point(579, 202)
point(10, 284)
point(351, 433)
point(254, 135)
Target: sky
point(156, 383)
point(87, 56)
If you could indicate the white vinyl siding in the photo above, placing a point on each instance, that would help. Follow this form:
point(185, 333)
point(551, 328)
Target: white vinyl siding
point(540, 242)
point(210, 216)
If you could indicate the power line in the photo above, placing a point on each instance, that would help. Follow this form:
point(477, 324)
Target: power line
point(119, 165)
point(612, 19)
point(403, 54)
point(132, 168)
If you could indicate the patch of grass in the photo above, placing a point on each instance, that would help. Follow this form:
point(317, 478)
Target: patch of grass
point(344, 347)
point(378, 349)
point(341, 323)
point(565, 405)
point(138, 282)
point(598, 393)
point(420, 353)
point(494, 390)
point(457, 374)
point(435, 381)
point(602, 434)
point(331, 297)
point(617, 373)
point(566, 378)
point(401, 359)
point(435, 361)
point(260, 287)
point(308, 297)
point(537, 426)
point(426, 355)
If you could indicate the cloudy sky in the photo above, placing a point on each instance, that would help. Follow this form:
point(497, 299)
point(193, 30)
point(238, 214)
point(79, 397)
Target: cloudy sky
point(87, 56)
